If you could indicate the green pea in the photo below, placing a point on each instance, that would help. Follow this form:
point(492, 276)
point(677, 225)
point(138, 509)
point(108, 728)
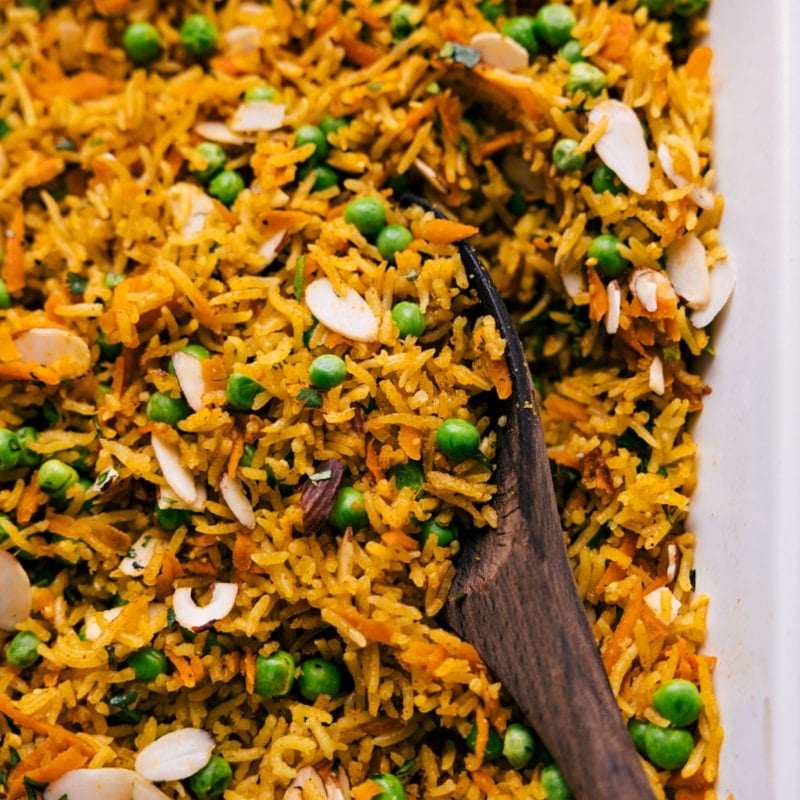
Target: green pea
point(242, 391)
point(554, 23)
point(212, 780)
point(400, 21)
point(637, 729)
point(564, 156)
point(327, 371)
point(108, 351)
point(10, 449)
point(311, 134)
point(518, 205)
point(317, 677)
point(492, 10)
point(199, 35)
point(171, 518)
point(330, 125)
point(367, 214)
point(226, 186)
point(324, 176)
point(604, 179)
point(163, 408)
point(348, 509)
point(605, 249)
point(391, 787)
point(260, 94)
point(23, 651)
point(5, 295)
point(554, 785)
point(571, 51)
point(408, 475)
point(679, 701)
point(111, 280)
point(55, 477)
point(519, 745)
point(392, 240)
point(27, 457)
point(522, 30)
point(148, 663)
point(445, 536)
point(458, 439)
point(142, 42)
point(215, 159)
point(586, 77)
point(668, 748)
point(409, 319)
point(494, 745)
point(274, 674)
point(196, 350)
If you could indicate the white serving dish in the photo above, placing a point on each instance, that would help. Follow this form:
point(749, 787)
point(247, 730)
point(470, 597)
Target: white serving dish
point(745, 510)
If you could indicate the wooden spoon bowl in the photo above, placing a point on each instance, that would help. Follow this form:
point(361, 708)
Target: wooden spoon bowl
point(515, 598)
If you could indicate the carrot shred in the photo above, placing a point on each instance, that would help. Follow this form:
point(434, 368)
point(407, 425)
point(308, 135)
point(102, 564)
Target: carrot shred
point(624, 630)
point(56, 733)
point(327, 18)
point(614, 572)
point(372, 629)
point(28, 371)
point(358, 52)
point(366, 790)
point(416, 115)
point(699, 62)
point(446, 231)
point(86, 85)
point(618, 42)
point(110, 7)
point(249, 671)
point(369, 17)
point(96, 41)
point(14, 263)
point(44, 766)
point(373, 462)
point(237, 449)
point(598, 297)
point(484, 782)
point(410, 441)
point(243, 549)
point(399, 539)
point(566, 409)
point(482, 732)
point(500, 142)
point(47, 169)
point(170, 570)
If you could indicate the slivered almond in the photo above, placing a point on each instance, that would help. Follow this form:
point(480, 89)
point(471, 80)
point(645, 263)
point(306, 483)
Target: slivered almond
point(237, 501)
point(220, 132)
point(139, 556)
point(699, 193)
point(269, 247)
point(190, 375)
point(176, 755)
point(687, 268)
point(656, 376)
point(63, 351)
point(16, 598)
point(573, 282)
point(649, 286)
point(180, 480)
point(614, 295)
point(500, 51)
point(194, 617)
point(168, 498)
point(348, 314)
point(258, 115)
point(191, 207)
point(622, 146)
point(723, 281)
point(663, 604)
point(243, 39)
point(103, 783)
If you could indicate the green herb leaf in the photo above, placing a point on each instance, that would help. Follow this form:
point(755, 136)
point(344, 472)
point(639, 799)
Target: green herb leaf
point(76, 284)
point(310, 398)
point(299, 277)
point(461, 54)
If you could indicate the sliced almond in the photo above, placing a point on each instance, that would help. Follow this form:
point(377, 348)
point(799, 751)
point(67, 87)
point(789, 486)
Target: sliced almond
point(622, 146)
point(191, 207)
point(673, 561)
point(258, 115)
point(574, 283)
point(350, 315)
point(139, 556)
point(270, 247)
point(191, 378)
point(700, 194)
point(663, 603)
point(614, 295)
point(104, 783)
point(176, 755)
point(337, 785)
point(180, 480)
point(16, 598)
point(243, 39)
point(723, 281)
point(144, 790)
point(168, 499)
point(308, 775)
point(237, 501)
point(687, 268)
point(190, 615)
point(220, 132)
point(656, 376)
point(500, 51)
point(63, 351)
point(651, 286)
point(93, 630)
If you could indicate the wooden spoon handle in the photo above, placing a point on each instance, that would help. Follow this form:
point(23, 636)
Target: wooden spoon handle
point(515, 598)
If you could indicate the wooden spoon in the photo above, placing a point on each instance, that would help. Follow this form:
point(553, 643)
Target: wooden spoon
point(515, 598)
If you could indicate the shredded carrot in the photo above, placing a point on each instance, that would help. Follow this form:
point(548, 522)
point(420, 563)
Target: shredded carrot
point(61, 736)
point(96, 41)
point(374, 630)
point(519, 88)
point(373, 462)
point(399, 539)
point(8, 350)
point(624, 631)
point(484, 782)
point(51, 766)
point(110, 7)
point(500, 142)
point(368, 16)
point(617, 45)
point(249, 671)
point(614, 572)
point(170, 570)
point(446, 231)
point(243, 549)
point(237, 449)
point(482, 735)
point(410, 441)
point(58, 297)
point(566, 409)
point(14, 263)
point(19, 371)
point(366, 790)
point(30, 500)
point(46, 170)
point(699, 62)
point(85, 85)
point(327, 18)
point(598, 297)
point(358, 52)
point(186, 669)
point(416, 115)
point(285, 219)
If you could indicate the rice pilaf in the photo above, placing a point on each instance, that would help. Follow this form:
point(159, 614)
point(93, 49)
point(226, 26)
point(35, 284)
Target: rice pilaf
point(247, 416)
